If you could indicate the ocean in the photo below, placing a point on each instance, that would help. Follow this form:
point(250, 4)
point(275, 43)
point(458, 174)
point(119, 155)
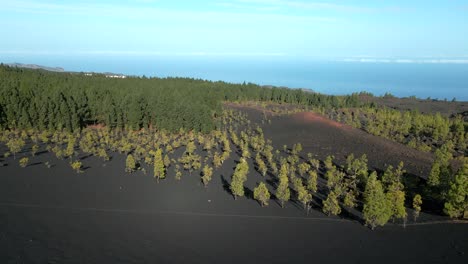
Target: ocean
point(423, 80)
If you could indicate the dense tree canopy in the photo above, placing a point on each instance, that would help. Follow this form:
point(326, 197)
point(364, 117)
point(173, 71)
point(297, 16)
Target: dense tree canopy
point(54, 101)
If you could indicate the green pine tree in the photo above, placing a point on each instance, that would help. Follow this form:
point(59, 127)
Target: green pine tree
point(456, 204)
point(238, 178)
point(159, 169)
point(282, 191)
point(417, 202)
point(262, 194)
point(304, 196)
point(376, 210)
point(24, 162)
point(434, 175)
point(312, 181)
point(207, 174)
point(262, 168)
point(396, 201)
point(331, 205)
point(130, 164)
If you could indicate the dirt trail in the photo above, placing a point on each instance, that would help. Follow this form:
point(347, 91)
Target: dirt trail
point(314, 117)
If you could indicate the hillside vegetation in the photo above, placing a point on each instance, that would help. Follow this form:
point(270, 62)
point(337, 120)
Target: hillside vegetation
point(180, 124)
point(55, 101)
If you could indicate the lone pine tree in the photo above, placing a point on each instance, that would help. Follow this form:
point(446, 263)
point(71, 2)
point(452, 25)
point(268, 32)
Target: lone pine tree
point(331, 205)
point(238, 178)
point(282, 191)
point(130, 164)
point(262, 194)
point(312, 181)
point(417, 202)
point(261, 166)
point(207, 174)
point(159, 169)
point(304, 196)
point(456, 204)
point(376, 211)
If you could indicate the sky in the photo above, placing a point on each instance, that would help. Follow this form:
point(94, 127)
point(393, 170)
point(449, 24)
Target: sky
point(241, 28)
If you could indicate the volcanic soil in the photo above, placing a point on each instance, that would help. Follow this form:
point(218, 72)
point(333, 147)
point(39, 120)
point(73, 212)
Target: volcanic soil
point(104, 215)
point(322, 137)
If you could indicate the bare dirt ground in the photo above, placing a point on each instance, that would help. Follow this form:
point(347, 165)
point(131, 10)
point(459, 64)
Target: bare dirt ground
point(322, 137)
point(104, 215)
point(107, 216)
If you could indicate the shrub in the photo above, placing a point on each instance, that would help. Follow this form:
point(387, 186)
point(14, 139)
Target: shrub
point(24, 162)
point(76, 166)
point(262, 194)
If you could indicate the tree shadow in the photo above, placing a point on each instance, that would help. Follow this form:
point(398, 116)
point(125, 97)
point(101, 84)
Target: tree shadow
point(295, 202)
point(40, 152)
point(316, 202)
point(248, 193)
point(275, 199)
point(225, 184)
point(272, 182)
point(35, 164)
point(346, 213)
point(85, 156)
point(238, 152)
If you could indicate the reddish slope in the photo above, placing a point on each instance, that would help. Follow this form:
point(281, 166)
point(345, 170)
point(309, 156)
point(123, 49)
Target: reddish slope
point(322, 137)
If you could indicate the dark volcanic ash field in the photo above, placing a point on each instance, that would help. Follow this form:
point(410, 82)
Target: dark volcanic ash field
point(105, 215)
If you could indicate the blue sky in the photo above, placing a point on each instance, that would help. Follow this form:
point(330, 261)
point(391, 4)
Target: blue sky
point(270, 28)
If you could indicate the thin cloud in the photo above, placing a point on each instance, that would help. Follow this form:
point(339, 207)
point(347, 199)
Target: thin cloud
point(305, 5)
point(244, 7)
point(144, 53)
point(316, 5)
point(154, 13)
point(406, 61)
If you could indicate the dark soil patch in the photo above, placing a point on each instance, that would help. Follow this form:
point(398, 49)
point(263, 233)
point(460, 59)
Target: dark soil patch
point(322, 137)
point(105, 215)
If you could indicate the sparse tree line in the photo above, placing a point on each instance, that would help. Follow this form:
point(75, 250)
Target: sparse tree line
point(447, 138)
point(351, 187)
point(295, 177)
point(425, 132)
point(150, 147)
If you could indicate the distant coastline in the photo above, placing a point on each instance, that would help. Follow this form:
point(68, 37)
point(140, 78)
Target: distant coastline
point(60, 69)
point(35, 66)
point(426, 81)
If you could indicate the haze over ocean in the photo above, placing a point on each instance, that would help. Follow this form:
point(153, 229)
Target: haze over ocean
point(435, 80)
